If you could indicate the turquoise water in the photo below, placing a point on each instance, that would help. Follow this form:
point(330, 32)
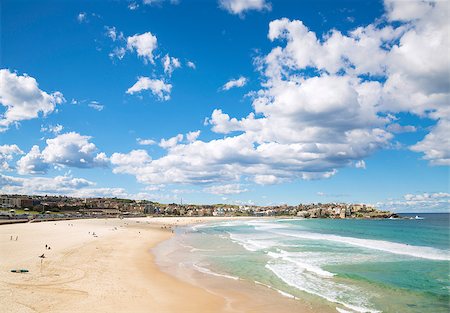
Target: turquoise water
point(356, 265)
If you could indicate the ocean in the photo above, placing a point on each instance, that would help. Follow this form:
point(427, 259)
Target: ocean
point(399, 265)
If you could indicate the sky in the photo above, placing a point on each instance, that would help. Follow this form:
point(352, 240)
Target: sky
point(228, 101)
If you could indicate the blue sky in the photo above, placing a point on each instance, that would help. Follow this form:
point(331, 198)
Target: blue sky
point(233, 101)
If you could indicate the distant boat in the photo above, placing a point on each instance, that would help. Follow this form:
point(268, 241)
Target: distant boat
point(418, 217)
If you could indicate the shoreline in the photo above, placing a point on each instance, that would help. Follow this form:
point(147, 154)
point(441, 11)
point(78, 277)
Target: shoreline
point(241, 295)
point(107, 265)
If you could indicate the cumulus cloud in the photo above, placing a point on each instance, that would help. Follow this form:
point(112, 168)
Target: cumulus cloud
point(144, 45)
point(239, 7)
point(61, 185)
point(96, 105)
point(323, 104)
point(421, 202)
point(154, 187)
point(134, 158)
point(417, 80)
point(69, 149)
point(238, 83)
point(118, 52)
point(65, 184)
point(220, 160)
point(157, 87)
point(192, 136)
point(191, 64)
point(7, 153)
point(32, 163)
point(398, 129)
point(170, 64)
point(436, 144)
point(360, 164)
point(113, 33)
point(68, 185)
point(145, 142)
point(54, 129)
point(171, 142)
point(262, 179)
point(23, 100)
point(226, 189)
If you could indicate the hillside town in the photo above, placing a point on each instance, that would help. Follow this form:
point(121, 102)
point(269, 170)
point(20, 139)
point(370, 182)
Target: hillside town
point(23, 207)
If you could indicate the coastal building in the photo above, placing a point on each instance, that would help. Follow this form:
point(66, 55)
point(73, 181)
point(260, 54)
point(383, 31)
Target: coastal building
point(17, 202)
point(342, 212)
point(218, 212)
point(7, 202)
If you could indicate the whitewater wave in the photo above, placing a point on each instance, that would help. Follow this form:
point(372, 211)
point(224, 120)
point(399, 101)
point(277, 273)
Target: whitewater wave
point(301, 265)
point(381, 245)
point(281, 292)
point(253, 242)
point(337, 293)
point(205, 270)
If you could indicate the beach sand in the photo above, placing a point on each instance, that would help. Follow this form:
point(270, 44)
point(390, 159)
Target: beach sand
point(114, 271)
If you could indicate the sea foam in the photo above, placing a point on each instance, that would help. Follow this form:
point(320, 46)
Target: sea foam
point(205, 270)
point(302, 265)
point(347, 296)
point(381, 245)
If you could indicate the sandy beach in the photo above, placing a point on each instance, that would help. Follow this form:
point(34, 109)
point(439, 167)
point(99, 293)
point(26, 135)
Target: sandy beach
point(106, 265)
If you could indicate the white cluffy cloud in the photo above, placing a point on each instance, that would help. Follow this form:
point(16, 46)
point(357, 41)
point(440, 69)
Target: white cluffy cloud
point(113, 34)
point(422, 202)
point(54, 129)
point(240, 82)
point(322, 105)
point(171, 142)
point(144, 45)
point(191, 64)
point(192, 136)
point(61, 185)
point(23, 100)
point(118, 52)
point(7, 153)
point(157, 87)
point(42, 185)
point(398, 129)
point(226, 189)
point(170, 64)
point(436, 144)
point(239, 7)
point(96, 105)
point(69, 149)
point(145, 142)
